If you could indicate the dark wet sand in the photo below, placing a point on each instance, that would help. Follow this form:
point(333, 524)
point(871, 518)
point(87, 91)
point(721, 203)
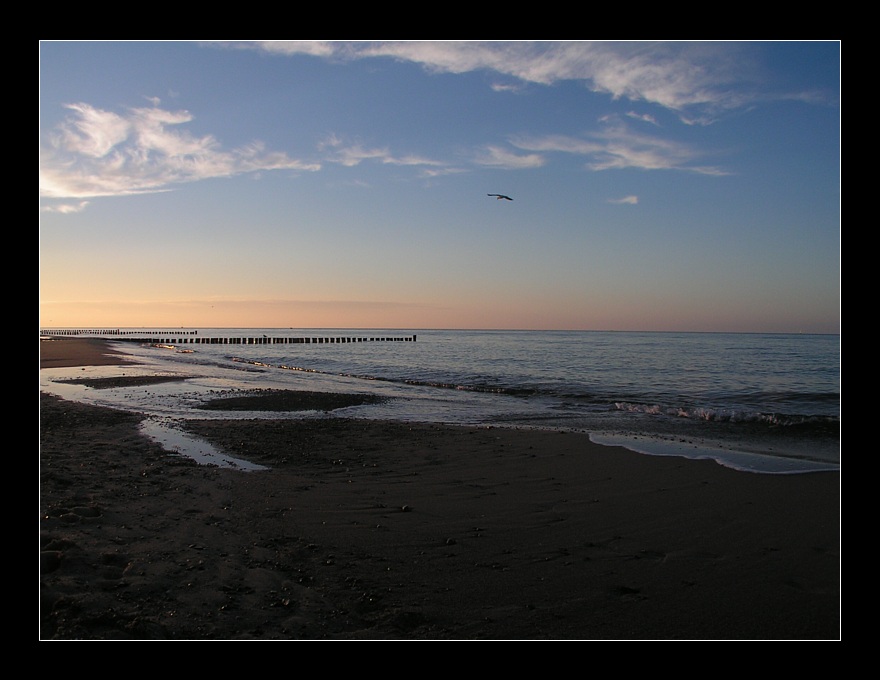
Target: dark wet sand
point(378, 530)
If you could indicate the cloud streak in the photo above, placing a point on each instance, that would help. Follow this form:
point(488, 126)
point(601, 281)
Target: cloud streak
point(616, 147)
point(626, 200)
point(66, 208)
point(496, 157)
point(352, 154)
point(696, 80)
point(101, 153)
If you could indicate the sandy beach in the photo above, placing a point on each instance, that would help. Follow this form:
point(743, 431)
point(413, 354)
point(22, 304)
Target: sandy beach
point(370, 530)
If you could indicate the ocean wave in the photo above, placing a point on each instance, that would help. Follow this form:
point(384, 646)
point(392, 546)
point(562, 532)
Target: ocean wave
point(579, 399)
point(722, 415)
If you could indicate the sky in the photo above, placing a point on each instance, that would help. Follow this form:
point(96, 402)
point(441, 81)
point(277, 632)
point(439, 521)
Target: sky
point(658, 186)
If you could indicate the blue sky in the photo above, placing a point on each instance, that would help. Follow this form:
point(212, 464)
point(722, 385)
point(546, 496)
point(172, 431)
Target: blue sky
point(690, 186)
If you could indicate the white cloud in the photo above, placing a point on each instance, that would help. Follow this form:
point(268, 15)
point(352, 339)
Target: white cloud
point(626, 200)
point(644, 117)
point(617, 147)
point(91, 132)
point(316, 48)
point(563, 143)
point(495, 156)
point(698, 80)
point(506, 87)
point(66, 208)
point(350, 155)
point(102, 153)
point(354, 153)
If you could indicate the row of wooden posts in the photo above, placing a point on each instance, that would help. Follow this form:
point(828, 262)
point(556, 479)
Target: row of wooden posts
point(192, 337)
point(113, 332)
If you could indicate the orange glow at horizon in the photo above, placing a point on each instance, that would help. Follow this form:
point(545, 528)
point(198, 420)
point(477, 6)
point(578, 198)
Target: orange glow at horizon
point(477, 314)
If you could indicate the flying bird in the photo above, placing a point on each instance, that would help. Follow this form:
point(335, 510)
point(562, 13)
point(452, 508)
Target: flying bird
point(500, 196)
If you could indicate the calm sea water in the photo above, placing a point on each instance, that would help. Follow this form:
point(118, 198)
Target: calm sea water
point(763, 402)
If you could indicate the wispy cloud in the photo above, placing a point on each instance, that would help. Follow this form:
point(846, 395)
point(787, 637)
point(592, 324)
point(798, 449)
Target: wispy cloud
point(507, 87)
point(697, 80)
point(351, 154)
point(643, 117)
point(626, 200)
point(497, 157)
point(617, 147)
point(65, 208)
point(142, 150)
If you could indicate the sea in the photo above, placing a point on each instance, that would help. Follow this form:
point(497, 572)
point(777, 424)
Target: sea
point(756, 402)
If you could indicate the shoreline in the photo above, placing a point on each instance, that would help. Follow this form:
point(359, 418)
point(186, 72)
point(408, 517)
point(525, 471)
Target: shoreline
point(64, 352)
point(382, 530)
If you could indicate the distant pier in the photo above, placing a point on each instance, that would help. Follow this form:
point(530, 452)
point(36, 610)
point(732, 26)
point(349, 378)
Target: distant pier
point(193, 338)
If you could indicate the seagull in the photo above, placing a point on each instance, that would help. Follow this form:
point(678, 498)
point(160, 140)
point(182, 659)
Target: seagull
point(500, 196)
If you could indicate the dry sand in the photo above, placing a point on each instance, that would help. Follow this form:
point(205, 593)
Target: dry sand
point(386, 531)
